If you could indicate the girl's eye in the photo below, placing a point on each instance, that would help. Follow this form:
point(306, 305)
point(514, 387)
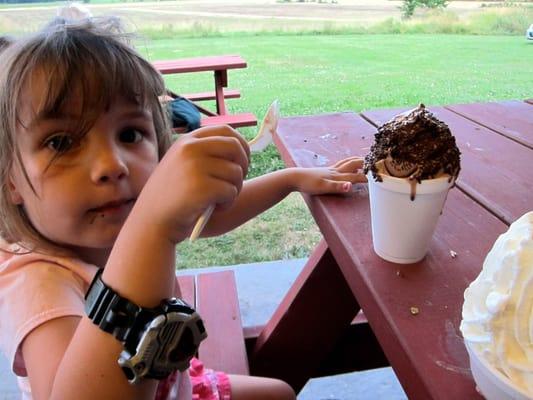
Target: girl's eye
point(60, 143)
point(130, 135)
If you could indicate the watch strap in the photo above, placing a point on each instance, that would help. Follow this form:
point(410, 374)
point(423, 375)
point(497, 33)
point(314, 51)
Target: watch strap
point(113, 313)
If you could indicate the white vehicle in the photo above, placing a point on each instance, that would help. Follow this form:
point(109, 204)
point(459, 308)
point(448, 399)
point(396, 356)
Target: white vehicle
point(529, 33)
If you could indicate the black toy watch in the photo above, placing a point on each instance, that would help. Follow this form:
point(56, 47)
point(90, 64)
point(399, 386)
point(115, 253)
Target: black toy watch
point(157, 341)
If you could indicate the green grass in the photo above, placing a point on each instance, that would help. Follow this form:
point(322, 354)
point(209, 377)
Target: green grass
point(267, 237)
point(312, 74)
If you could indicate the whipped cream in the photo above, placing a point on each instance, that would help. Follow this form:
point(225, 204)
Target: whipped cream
point(498, 308)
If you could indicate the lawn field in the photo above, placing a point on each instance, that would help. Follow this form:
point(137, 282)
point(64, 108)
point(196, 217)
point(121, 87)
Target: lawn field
point(321, 73)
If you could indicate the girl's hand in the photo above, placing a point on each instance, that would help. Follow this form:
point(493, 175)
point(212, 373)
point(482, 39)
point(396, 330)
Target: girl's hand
point(335, 179)
point(204, 167)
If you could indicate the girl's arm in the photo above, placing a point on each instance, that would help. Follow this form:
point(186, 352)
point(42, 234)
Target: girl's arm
point(71, 360)
point(261, 193)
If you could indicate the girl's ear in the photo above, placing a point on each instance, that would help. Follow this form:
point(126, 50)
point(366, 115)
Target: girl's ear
point(14, 194)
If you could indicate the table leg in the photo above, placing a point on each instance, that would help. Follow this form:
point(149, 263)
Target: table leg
point(221, 81)
point(311, 318)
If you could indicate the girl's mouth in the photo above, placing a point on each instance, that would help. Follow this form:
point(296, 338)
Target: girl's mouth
point(113, 207)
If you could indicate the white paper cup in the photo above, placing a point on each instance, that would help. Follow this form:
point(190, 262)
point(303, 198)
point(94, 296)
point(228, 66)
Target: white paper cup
point(402, 228)
point(491, 383)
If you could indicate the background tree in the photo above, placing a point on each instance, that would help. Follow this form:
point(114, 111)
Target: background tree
point(408, 7)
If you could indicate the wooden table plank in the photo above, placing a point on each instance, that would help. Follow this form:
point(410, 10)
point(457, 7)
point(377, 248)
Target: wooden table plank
point(494, 169)
point(218, 304)
point(314, 141)
point(425, 350)
point(513, 119)
point(199, 64)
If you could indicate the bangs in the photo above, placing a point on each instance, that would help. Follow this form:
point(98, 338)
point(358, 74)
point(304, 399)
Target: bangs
point(85, 73)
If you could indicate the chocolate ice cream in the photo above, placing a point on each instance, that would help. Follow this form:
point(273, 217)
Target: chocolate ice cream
point(414, 146)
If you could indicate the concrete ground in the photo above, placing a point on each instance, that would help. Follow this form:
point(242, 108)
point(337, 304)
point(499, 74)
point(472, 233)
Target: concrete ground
point(261, 287)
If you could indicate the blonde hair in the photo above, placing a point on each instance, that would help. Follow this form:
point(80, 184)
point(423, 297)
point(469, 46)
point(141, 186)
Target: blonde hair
point(90, 59)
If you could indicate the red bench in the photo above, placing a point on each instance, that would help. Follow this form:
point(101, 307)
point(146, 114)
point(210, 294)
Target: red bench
point(224, 349)
point(234, 120)
point(219, 65)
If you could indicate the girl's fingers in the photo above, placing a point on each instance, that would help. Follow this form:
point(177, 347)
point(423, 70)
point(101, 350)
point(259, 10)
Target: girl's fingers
point(229, 172)
point(227, 148)
point(223, 130)
point(355, 162)
point(349, 177)
point(337, 186)
point(225, 191)
point(340, 184)
point(350, 166)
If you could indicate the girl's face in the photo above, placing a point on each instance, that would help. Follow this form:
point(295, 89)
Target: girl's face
point(83, 189)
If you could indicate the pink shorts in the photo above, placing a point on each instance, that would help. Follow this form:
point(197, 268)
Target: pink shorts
point(206, 383)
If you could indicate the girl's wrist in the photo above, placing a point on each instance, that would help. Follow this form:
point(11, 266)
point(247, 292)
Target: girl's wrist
point(292, 178)
point(161, 227)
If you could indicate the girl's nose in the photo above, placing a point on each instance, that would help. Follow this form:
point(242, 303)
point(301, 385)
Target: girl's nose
point(109, 165)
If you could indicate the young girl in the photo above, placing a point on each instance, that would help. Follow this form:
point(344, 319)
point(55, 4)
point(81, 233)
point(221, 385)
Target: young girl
point(91, 181)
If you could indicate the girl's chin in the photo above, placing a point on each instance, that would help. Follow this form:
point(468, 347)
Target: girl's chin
point(95, 243)
point(93, 255)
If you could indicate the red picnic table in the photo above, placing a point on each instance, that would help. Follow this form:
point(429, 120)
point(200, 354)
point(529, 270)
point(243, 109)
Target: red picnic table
point(219, 65)
point(414, 310)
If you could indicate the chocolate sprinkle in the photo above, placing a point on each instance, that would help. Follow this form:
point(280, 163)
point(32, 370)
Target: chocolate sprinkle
point(419, 139)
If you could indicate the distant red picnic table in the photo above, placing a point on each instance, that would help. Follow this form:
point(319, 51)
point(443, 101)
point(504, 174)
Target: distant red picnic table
point(220, 66)
point(414, 311)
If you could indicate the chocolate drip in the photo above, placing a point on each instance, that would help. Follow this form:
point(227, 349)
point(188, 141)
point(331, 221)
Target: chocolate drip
point(413, 183)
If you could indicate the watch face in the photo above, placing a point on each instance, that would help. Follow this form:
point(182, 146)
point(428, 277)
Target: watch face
point(167, 344)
